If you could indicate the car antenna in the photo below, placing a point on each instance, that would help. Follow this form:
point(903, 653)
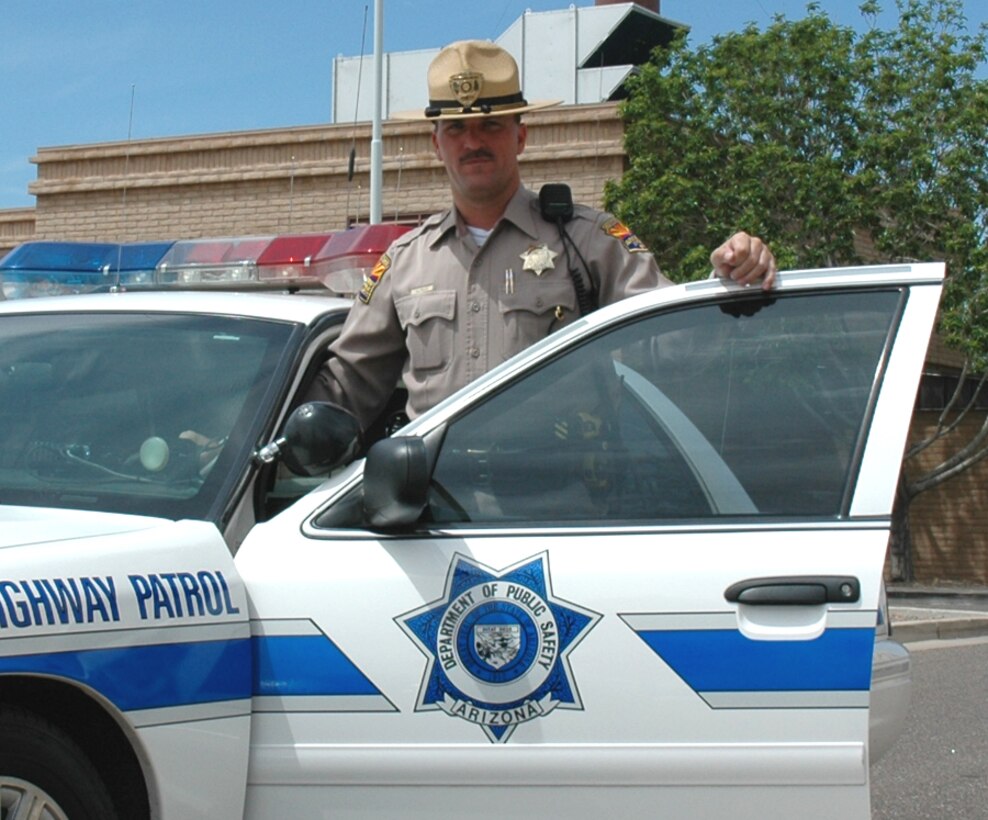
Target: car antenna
point(123, 195)
point(351, 162)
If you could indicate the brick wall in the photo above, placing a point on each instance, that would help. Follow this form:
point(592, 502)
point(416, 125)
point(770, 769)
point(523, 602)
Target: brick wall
point(16, 226)
point(950, 522)
point(292, 180)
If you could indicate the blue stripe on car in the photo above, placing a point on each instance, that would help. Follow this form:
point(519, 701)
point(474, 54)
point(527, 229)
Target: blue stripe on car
point(305, 665)
point(182, 674)
point(150, 677)
point(724, 660)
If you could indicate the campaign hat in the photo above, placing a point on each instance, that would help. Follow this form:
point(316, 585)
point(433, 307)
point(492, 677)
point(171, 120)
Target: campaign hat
point(474, 78)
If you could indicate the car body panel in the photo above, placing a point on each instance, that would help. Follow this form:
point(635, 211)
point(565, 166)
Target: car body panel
point(156, 630)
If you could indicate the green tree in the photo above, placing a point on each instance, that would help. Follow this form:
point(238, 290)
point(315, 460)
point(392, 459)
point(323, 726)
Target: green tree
point(838, 147)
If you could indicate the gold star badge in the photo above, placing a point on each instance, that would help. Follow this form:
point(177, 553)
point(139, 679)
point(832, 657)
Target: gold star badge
point(539, 259)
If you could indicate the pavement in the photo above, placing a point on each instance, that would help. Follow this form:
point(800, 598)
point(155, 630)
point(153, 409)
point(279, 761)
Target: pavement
point(925, 613)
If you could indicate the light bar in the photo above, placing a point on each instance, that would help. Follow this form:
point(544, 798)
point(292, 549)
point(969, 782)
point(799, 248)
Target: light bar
point(137, 262)
point(209, 262)
point(57, 268)
point(349, 257)
point(339, 261)
point(290, 260)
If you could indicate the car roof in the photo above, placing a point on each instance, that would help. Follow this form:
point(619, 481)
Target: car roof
point(302, 308)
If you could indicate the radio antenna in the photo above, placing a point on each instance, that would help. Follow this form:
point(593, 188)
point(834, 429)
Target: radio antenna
point(352, 159)
point(401, 158)
point(126, 172)
point(291, 194)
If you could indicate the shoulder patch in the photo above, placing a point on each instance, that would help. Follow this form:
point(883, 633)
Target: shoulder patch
point(623, 233)
point(373, 279)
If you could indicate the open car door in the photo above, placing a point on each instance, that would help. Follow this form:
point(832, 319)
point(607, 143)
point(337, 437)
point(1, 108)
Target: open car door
point(644, 583)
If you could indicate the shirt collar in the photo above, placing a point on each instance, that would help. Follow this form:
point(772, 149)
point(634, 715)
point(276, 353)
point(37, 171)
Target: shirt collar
point(520, 213)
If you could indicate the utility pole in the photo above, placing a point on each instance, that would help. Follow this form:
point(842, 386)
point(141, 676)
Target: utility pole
point(376, 153)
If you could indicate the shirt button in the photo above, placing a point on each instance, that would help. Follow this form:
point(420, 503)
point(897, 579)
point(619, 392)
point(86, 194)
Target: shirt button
point(538, 302)
point(475, 307)
point(474, 352)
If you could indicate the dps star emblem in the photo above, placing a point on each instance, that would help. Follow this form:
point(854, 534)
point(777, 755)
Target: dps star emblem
point(498, 645)
point(466, 87)
point(539, 259)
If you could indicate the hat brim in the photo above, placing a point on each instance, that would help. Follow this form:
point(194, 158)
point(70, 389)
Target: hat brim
point(457, 114)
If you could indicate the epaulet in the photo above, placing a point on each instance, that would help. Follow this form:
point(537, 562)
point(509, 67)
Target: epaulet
point(427, 224)
point(585, 212)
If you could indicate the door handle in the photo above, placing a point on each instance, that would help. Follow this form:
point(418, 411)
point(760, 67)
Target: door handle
point(795, 590)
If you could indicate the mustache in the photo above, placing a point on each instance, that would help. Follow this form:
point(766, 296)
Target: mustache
point(480, 153)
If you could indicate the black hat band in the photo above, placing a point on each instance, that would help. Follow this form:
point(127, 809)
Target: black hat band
point(485, 105)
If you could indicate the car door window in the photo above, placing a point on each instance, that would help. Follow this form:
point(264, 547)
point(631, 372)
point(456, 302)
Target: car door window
point(130, 412)
point(751, 407)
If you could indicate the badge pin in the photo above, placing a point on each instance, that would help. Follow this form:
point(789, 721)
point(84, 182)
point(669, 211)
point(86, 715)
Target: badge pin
point(466, 87)
point(539, 259)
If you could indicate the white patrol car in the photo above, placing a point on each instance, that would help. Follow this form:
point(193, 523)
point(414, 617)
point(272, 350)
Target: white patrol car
point(633, 572)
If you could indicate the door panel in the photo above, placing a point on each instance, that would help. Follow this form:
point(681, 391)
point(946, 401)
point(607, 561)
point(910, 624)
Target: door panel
point(654, 684)
point(563, 616)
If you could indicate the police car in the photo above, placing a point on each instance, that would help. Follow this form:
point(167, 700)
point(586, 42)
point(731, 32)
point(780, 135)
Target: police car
point(635, 571)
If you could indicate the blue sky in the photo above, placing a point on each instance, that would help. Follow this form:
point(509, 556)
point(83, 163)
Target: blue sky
point(70, 69)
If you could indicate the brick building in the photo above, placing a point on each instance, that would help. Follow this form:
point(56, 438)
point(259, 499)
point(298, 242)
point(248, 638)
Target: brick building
point(949, 522)
point(291, 180)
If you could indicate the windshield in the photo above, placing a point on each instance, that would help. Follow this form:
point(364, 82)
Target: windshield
point(133, 413)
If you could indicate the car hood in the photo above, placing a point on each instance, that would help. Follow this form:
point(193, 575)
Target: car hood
point(20, 526)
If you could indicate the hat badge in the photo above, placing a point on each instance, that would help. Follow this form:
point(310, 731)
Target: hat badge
point(466, 87)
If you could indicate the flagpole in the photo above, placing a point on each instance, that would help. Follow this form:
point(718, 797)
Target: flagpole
point(376, 155)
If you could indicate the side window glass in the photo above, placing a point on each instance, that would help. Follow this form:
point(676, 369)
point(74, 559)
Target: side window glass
point(752, 407)
point(148, 414)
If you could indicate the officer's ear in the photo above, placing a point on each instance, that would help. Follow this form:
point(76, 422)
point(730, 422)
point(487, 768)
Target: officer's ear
point(522, 134)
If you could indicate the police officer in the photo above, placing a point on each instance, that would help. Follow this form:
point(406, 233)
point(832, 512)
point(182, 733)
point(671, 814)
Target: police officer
point(491, 275)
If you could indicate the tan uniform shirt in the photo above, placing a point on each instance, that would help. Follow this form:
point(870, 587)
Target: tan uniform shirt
point(439, 311)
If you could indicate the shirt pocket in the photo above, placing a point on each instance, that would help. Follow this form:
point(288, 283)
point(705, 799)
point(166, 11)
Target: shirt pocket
point(531, 312)
point(427, 319)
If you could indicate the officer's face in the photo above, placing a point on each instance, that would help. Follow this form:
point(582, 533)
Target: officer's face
point(481, 155)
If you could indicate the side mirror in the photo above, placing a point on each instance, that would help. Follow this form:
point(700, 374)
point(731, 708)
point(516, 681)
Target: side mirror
point(396, 482)
point(318, 436)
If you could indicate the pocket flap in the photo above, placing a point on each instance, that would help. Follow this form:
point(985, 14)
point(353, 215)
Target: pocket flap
point(540, 298)
point(417, 308)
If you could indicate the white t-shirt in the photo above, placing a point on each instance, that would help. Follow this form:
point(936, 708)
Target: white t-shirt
point(479, 234)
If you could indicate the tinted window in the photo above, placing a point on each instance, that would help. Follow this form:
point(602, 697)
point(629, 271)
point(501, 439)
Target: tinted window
point(711, 411)
point(129, 413)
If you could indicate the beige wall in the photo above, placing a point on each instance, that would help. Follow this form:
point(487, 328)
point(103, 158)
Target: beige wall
point(16, 226)
point(290, 180)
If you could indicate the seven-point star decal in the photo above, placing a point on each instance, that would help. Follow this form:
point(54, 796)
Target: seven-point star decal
point(498, 645)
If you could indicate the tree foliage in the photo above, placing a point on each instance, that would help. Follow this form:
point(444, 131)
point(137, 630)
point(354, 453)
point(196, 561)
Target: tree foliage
point(836, 145)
